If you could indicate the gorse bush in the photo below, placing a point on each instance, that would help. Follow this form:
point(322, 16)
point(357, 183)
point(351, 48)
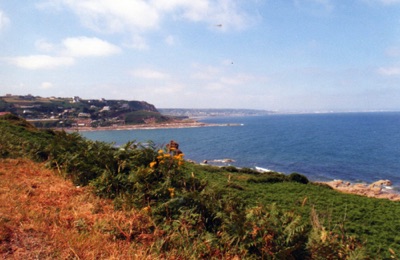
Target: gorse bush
point(193, 216)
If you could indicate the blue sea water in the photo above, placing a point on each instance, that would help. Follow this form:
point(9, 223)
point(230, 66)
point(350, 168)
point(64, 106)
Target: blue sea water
point(349, 146)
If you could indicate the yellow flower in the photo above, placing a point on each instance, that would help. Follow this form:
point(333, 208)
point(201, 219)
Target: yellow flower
point(152, 164)
point(324, 236)
point(171, 192)
point(160, 151)
point(147, 209)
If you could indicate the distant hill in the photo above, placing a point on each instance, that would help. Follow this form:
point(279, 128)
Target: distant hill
point(77, 112)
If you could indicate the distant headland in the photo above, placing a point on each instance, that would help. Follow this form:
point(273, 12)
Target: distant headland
point(75, 113)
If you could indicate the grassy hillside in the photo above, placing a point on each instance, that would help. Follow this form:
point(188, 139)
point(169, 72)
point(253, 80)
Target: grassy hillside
point(193, 211)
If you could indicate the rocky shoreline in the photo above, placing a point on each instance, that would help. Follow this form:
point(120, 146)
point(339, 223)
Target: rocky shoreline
point(379, 189)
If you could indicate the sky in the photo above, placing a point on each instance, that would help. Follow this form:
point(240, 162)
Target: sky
point(280, 55)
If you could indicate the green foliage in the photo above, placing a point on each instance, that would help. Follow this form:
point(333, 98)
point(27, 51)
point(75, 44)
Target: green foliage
point(47, 124)
point(213, 212)
point(65, 113)
point(212, 169)
point(13, 120)
point(249, 171)
point(268, 179)
point(334, 243)
point(230, 169)
point(140, 117)
point(296, 177)
point(18, 138)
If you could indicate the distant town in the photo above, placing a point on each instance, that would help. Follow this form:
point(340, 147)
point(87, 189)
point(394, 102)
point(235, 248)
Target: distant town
point(55, 112)
point(77, 112)
point(211, 112)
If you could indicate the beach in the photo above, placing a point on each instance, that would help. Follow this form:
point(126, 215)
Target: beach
point(175, 124)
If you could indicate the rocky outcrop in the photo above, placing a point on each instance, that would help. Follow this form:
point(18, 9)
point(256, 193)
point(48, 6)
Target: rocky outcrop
point(377, 189)
point(173, 147)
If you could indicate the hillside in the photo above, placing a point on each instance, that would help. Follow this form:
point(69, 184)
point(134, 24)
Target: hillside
point(169, 208)
point(43, 216)
point(77, 112)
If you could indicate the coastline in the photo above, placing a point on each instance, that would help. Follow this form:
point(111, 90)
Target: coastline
point(150, 126)
point(380, 189)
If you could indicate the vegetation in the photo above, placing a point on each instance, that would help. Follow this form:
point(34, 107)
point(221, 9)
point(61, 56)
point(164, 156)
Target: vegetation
point(73, 112)
point(43, 216)
point(143, 117)
point(171, 208)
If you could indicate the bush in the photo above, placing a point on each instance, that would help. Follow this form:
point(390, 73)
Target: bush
point(230, 169)
point(296, 177)
point(249, 171)
point(268, 179)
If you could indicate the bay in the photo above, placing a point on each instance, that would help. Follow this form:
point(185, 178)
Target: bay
point(354, 147)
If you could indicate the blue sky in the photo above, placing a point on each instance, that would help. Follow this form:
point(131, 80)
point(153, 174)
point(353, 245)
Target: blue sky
point(283, 55)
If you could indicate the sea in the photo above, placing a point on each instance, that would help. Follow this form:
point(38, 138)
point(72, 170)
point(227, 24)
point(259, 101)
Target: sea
point(355, 147)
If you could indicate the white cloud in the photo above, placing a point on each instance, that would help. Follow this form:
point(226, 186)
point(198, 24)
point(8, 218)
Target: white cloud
point(194, 10)
point(137, 16)
point(46, 85)
point(84, 46)
point(224, 12)
point(4, 20)
point(66, 52)
point(115, 15)
point(34, 62)
point(389, 71)
point(149, 74)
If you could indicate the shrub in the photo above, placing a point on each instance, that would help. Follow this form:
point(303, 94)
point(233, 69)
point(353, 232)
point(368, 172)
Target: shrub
point(298, 178)
point(230, 169)
point(248, 171)
point(268, 179)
